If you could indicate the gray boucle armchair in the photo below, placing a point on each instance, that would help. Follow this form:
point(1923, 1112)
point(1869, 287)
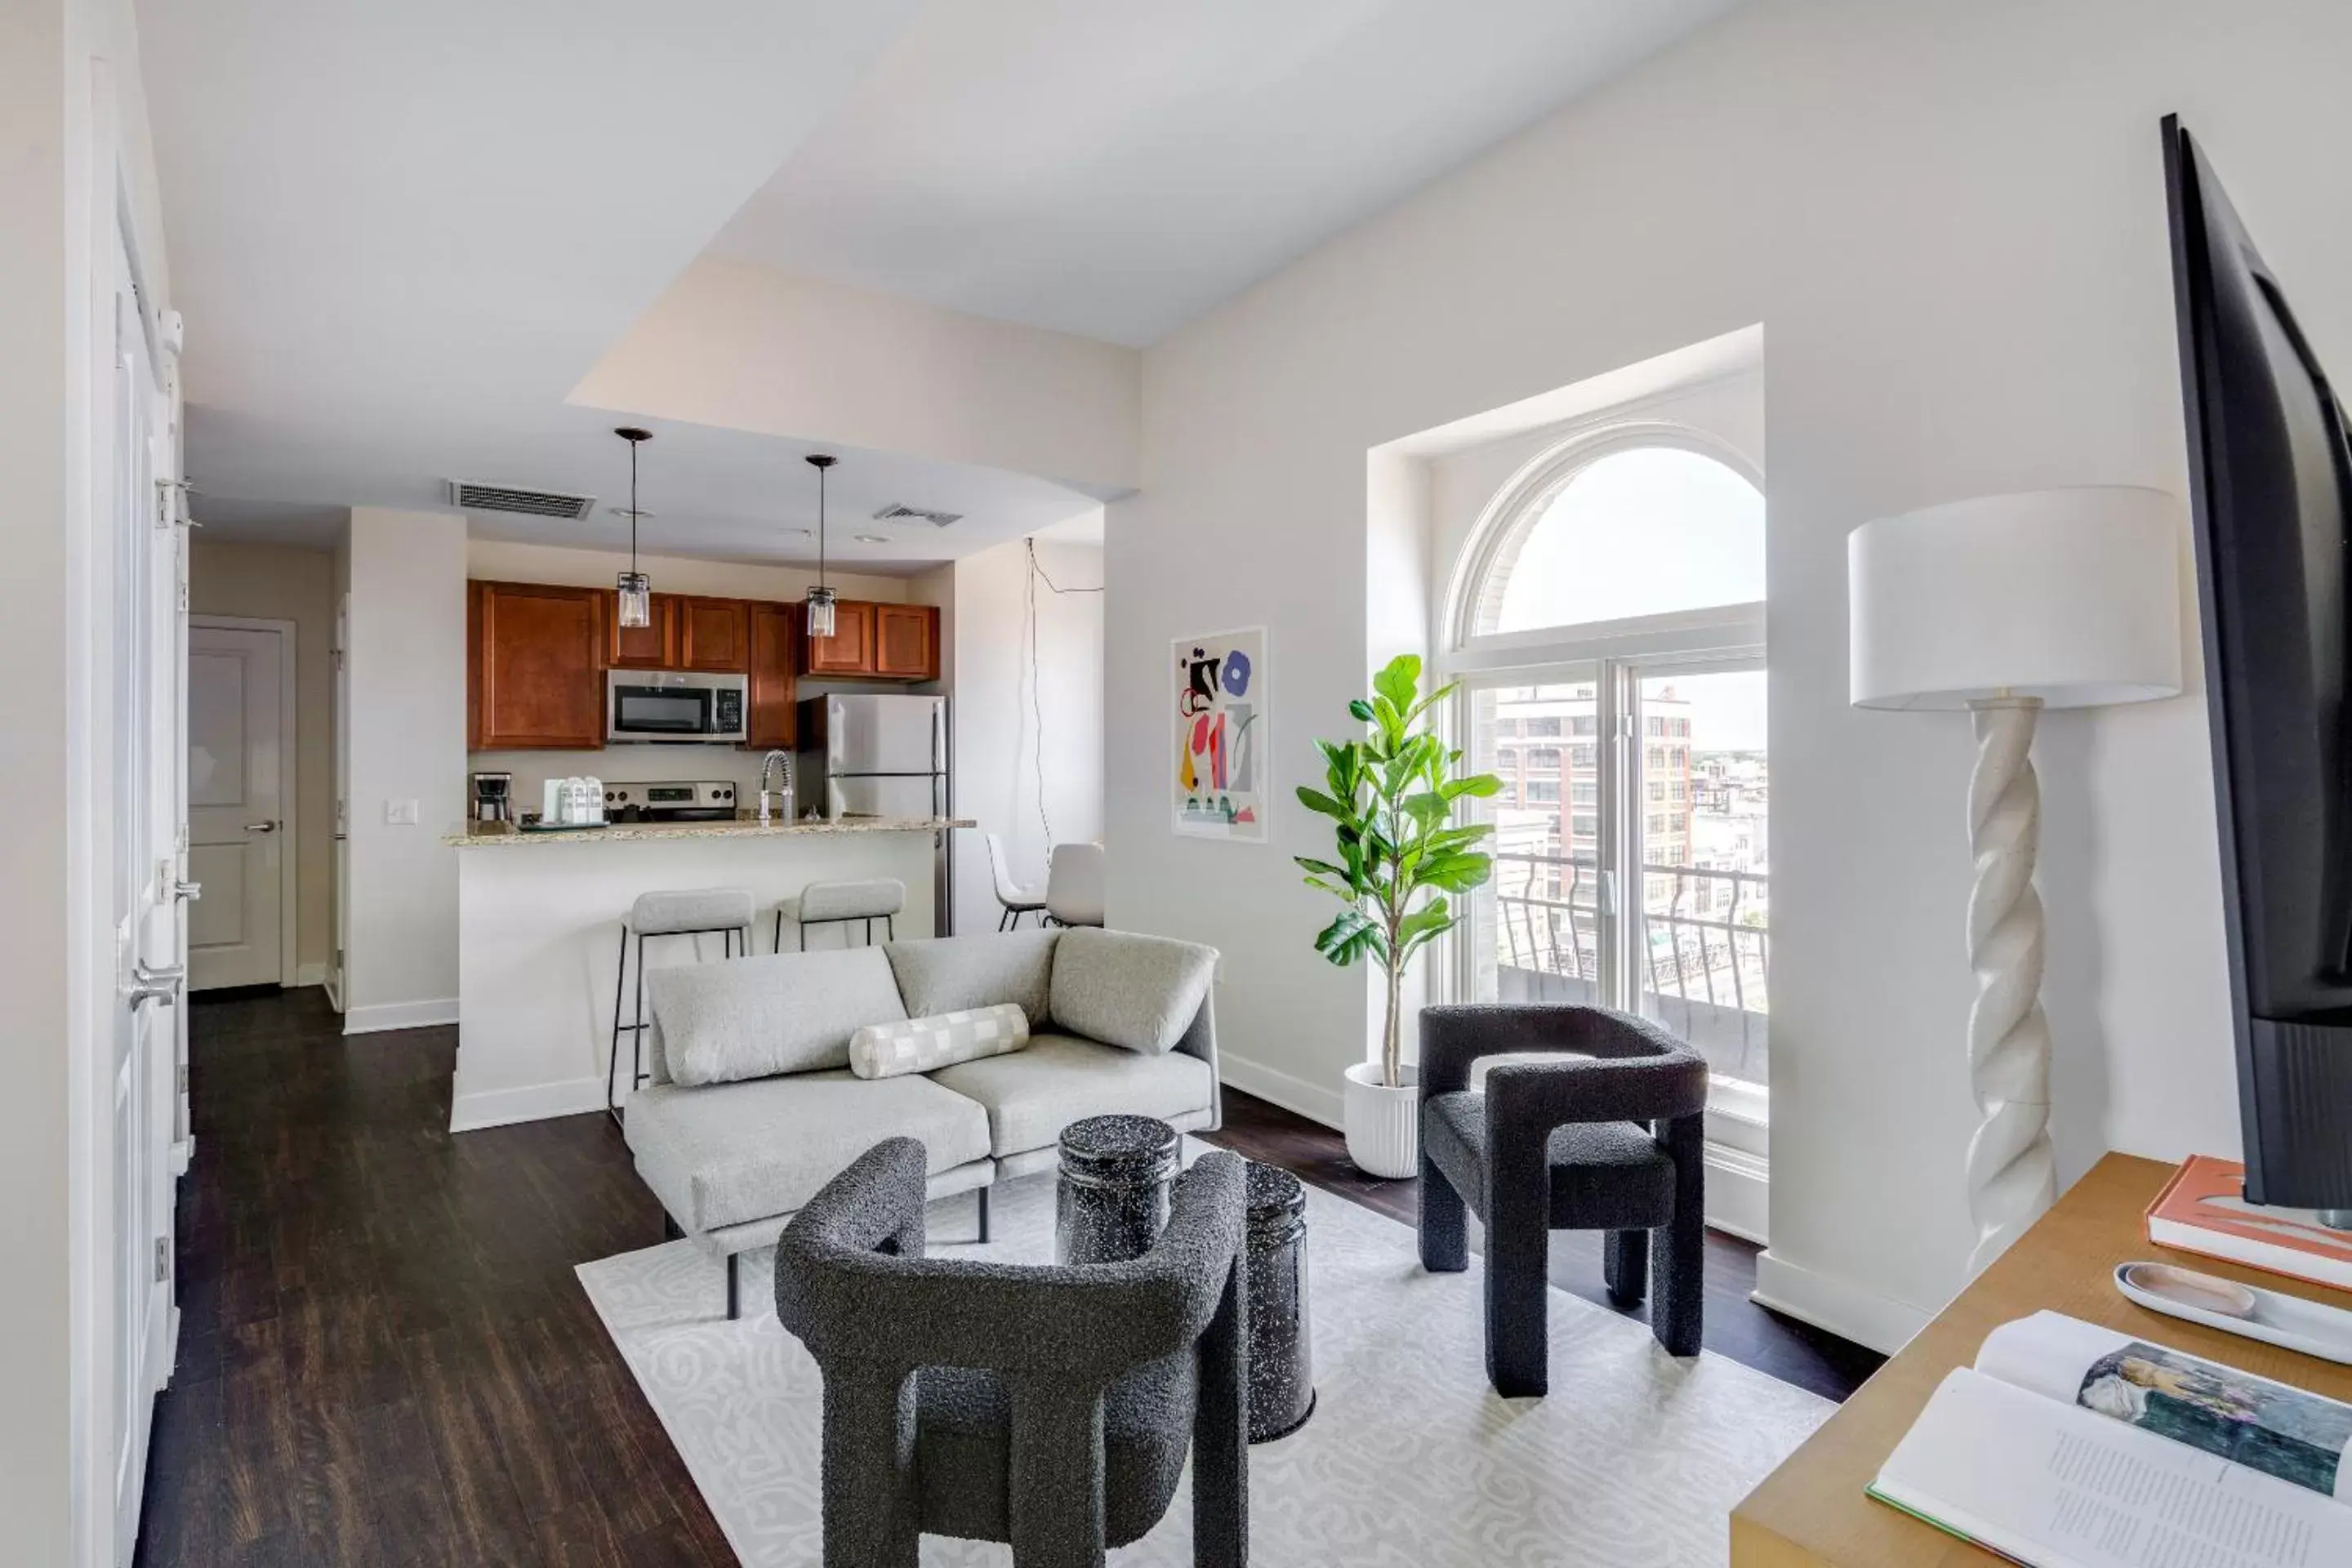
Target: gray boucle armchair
point(1555, 1146)
point(1049, 1408)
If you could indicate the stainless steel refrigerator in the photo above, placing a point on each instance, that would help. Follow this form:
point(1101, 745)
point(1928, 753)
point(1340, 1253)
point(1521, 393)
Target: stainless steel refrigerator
point(878, 755)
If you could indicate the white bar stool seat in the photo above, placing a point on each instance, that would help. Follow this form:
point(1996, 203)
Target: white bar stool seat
point(697, 911)
point(837, 903)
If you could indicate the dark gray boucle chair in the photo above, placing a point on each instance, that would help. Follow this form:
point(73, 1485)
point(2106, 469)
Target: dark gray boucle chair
point(1552, 1146)
point(1049, 1408)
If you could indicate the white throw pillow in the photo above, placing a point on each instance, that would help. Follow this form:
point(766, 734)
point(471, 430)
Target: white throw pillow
point(918, 1044)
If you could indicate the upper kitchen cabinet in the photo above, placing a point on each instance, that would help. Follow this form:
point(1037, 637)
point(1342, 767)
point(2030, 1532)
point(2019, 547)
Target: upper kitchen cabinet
point(714, 635)
point(907, 641)
point(653, 646)
point(533, 659)
point(850, 649)
point(774, 675)
point(887, 642)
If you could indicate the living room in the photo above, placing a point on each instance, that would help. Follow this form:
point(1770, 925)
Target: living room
point(1630, 371)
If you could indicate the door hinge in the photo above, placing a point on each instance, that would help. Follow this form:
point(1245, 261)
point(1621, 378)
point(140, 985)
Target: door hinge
point(180, 1079)
point(162, 1259)
point(172, 504)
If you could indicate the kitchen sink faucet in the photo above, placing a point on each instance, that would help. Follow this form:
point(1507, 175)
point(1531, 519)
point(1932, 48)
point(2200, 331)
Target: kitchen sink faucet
point(768, 764)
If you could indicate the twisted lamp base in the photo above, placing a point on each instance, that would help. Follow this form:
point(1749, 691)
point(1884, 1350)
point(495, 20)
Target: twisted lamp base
point(2011, 1175)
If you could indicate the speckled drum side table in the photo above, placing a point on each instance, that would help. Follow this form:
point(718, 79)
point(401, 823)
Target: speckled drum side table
point(1281, 1366)
point(1111, 1203)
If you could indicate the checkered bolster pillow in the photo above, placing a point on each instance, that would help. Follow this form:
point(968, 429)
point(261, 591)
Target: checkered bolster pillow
point(918, 1044)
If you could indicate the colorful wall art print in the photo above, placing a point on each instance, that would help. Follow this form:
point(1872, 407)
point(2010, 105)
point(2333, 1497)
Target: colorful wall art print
point(1221, 761)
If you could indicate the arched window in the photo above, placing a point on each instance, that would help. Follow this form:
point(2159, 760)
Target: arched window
point(1606, 623)
point(1635, 522)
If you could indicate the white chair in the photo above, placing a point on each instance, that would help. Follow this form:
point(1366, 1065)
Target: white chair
point(1017, 899)
point(1074, 885)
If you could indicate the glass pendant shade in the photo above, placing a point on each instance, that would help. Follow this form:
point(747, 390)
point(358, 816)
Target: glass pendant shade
point(636, 600)
point(820, 612)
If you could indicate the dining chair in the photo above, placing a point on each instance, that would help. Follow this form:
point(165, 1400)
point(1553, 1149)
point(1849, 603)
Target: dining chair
point(1017, 899)
point(1074, 885)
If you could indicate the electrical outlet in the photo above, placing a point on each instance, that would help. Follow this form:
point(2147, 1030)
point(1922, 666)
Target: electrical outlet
point(400, 814)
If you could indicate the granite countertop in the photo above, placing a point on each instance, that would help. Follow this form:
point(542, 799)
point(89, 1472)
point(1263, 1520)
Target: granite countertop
point(481, 834)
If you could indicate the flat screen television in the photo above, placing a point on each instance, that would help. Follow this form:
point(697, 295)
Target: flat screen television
point(2271, 473)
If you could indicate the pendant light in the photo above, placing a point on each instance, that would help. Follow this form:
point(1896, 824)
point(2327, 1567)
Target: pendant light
point(637, 599)
point(819, 597)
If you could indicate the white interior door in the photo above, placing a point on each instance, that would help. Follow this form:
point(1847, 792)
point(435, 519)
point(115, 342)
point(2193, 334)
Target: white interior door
point(237, 804)
point(143, 573)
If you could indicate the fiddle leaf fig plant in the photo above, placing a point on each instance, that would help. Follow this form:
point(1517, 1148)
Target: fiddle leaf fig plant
point(1391, 797)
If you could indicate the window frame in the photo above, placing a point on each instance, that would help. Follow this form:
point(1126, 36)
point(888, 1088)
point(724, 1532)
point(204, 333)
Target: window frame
point(1712, 638)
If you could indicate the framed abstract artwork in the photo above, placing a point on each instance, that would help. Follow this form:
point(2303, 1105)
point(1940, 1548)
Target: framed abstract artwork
point(1222, 768)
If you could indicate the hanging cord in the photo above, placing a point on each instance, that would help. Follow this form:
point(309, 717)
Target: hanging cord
point(820, 524)
point(633, 509)
point(1036, 705)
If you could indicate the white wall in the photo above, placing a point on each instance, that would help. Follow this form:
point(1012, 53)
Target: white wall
point(749, 348)
point(73, 132)
point(1015, 716)
point(1949, 222)
point(406, 664)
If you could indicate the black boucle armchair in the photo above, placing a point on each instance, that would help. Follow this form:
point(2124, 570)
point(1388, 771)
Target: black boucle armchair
point(1553, 1146)
point(1049, 1408)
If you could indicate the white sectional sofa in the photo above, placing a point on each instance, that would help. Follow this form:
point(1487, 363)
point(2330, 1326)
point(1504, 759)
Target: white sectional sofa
point(753, 1107)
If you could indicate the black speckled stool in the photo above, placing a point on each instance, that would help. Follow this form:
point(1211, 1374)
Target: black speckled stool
point(1112, 1201)
point(1281, 1367)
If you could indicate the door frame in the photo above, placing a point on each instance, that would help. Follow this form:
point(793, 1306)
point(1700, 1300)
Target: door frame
point(288, 778)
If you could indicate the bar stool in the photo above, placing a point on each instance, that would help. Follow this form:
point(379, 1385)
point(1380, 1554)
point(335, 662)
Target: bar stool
point(838, 903)
point(727, 912)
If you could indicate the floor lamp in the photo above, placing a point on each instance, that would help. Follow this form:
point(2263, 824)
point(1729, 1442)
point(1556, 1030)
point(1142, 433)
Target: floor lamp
point(2005, 605)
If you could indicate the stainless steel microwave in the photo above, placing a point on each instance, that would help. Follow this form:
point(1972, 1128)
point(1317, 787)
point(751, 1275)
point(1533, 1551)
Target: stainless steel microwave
point(676, 706)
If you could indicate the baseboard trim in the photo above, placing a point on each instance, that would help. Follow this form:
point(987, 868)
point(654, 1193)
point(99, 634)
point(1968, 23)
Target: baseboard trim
point(1843, 1308)
point(1313, 1100)
point(310, 974)
point(399, 1015)
point(1738, 1193)
point(532, 1102)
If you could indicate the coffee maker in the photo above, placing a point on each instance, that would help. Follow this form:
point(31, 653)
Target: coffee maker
point(493, 797)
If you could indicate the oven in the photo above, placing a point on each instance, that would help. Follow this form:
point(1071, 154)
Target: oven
point(676, 706)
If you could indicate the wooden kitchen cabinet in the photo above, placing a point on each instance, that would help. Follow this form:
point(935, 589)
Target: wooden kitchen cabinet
point(774, 645)
point(714, 635)
point(650, 647)
point(850, 649)
point(534, 676)
point(907, 641)
point(887, 642)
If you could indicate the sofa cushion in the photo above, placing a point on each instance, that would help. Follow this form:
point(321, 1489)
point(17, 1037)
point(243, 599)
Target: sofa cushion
point(948, 973)
point(1137, 992)
point(782, 1012)
point(727, 1154)
point(1032, 1095)
point(919, 1045)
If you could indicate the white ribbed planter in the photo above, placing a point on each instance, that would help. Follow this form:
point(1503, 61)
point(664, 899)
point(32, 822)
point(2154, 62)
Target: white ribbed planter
point(1383, 1124)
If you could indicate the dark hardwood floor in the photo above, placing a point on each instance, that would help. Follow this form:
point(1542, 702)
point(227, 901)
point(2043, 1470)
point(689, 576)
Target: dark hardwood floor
point(385, 1357)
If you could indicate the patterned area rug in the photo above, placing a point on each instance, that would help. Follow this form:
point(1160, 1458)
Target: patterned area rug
point(1408, 1461)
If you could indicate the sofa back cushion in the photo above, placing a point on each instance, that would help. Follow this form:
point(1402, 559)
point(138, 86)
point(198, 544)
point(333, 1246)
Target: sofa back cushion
point(1139, 992)
point(757, 1017)
point(951, 974)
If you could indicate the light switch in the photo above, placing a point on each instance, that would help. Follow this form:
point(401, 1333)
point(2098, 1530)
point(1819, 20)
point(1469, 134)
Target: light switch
point(400, 813)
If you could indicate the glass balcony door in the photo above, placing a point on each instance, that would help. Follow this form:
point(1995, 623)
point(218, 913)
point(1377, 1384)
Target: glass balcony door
point(1632, 858)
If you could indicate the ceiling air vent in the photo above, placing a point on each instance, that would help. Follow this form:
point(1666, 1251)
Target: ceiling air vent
point(470, 497)
point(917, 514)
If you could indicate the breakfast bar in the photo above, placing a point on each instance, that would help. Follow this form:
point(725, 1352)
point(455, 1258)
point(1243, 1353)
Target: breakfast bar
point(541, 917)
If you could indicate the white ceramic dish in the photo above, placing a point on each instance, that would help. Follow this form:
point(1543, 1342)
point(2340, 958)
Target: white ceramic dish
point(2288, 1322)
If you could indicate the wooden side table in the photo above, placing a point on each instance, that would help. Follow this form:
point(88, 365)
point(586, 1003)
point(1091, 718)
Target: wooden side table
point(1811, 1512)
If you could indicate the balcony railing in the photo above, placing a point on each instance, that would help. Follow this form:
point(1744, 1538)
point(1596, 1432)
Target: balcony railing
point(1704, 960)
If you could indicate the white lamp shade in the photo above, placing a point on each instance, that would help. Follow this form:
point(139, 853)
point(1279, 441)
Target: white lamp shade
point(2068, 595)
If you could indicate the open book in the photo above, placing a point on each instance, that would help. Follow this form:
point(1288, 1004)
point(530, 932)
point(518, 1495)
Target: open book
point(2070, 1446)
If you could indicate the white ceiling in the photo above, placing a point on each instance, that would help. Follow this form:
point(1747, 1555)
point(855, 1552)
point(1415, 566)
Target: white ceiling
point(402, 233)
point(1116, 167)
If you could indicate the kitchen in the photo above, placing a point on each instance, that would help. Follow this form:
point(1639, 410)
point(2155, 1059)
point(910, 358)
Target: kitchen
point(822, 758)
